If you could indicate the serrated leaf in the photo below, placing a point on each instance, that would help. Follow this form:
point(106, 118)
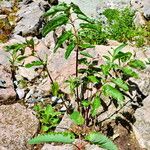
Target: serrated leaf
point(93, 79)
point(77, 118)
point(118, 49)
point(95, 106)
point(86, 54)
point(57, 137)
point(138, 64)
point(129, 72)
point(54, 23)
point(121, 83)
point(66, 35)
point(69, 49)
point(33, 64)
point(101, 140)
point(55, 9)
point(108, 90)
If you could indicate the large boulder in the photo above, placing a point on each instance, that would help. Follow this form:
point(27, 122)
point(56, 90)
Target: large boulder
point(7, 92)
point(17, 126)
point(141, 126)
point(29, 17)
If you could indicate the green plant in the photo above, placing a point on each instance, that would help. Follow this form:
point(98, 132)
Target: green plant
point(49, 118)
point(91, 81)
point(120, 24)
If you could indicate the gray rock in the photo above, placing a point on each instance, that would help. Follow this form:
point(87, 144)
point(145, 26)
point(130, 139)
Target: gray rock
point(146, 9)
point(60, 147)
point(28, 73)
point(141, 127)
point(29, 19)
point(20, 93)
point(139, 20)
point(17, 126)
point(7, 93)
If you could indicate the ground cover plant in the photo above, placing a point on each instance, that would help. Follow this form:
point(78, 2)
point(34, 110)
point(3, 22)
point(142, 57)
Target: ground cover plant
point(92, 81)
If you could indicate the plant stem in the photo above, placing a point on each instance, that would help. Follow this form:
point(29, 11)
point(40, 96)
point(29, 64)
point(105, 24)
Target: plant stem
point(77, 58)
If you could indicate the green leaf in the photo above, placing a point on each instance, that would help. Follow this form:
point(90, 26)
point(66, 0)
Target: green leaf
point(86, 45)
point(57, 137)
point(44, 128)
point(66, 35)
point(55, 9)
point(69, 49)
point(86, 54)
point(76, 9)
point(95, 105)
point(118, 49)
point(54, 23)
point(15, 47)
point(105, 69)
point(138, 64)
point(89, 26)
point(123, 56)
point(93, 79)
point(49, 110)
point(85, 18)
point(108, 90)
point(85, 103)
point(55, 89)
point(129, 72)
point(101, 140)
point(121, 84)
point(21, 58)
point(34, 63)
point(77, 118)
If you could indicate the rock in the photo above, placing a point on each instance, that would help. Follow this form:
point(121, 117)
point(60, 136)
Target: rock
point(136, 4)
point(71, 147)
point(17, 126)
point(146, 9)
point(28, 73)
point(65, 124)
point(139, 20)
point(49, 40)
point(60, 147)
point(20, 93)
point(88, 7)
point(42, 51)
point(4, 57)
point(7, 92)
point(29, 19)
point(141, 127)
point(5, 6)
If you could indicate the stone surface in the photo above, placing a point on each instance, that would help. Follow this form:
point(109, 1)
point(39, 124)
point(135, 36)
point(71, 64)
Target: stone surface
point(28, 73)
point(146, 9)
point(60, 147)
point(29, 19)
point(7, 93)
point(17, 126)
point(139, 20)
point(142, 125)
point(71, 147)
